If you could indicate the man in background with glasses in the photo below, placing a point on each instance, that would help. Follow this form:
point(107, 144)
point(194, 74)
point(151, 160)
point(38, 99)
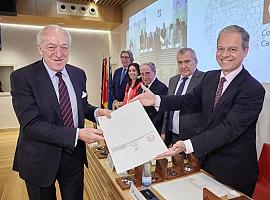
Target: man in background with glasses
point(120, 79)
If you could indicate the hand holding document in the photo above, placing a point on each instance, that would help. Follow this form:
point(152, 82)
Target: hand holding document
point(178, 147)
point(131, 137)
point(147, 98)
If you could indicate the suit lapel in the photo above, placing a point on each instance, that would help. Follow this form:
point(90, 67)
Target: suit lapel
point(154, 85)
point(231, 89)
point(209, 96)
point(76, 85)
point(174, 84)
point(47, 86)
point(193, 81)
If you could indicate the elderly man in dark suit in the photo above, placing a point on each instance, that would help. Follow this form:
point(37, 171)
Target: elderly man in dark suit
point(50, 101)
point(185, 123)
point(231, 101)
point(150, 80)
point(120, 79)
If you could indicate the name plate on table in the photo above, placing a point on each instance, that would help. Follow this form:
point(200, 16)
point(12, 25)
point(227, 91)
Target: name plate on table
point(135, 193)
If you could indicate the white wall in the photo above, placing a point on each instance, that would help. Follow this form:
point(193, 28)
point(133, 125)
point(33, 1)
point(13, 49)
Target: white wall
point(19, 49)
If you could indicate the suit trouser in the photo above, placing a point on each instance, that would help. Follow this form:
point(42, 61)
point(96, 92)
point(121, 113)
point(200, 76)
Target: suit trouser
point(69, 176)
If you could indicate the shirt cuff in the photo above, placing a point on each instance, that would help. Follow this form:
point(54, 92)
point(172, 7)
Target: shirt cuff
point(95, 115)
point(77, 136)
point(189, 147)
point(157, 104)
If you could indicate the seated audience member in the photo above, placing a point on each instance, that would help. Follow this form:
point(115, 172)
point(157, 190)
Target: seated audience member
point(134, 82)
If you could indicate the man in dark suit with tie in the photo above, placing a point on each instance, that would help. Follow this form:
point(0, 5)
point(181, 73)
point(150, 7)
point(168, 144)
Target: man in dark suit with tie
point(120, 79)
point(50, 100)
point(150, 80)
point(185, 123)
point(231, 101)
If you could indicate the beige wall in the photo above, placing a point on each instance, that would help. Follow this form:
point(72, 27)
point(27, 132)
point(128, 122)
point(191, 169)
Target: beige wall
point(19, 49)
point(88, 47)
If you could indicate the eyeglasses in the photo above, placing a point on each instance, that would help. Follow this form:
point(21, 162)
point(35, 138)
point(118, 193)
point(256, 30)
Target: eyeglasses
point(124, 57)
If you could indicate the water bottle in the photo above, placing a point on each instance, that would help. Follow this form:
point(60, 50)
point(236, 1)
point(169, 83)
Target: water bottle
point(146, 175)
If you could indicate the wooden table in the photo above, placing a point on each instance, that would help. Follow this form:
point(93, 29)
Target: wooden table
point(100, 181)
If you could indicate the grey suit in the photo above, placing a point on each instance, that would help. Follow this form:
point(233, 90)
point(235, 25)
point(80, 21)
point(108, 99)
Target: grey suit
point(189, 120)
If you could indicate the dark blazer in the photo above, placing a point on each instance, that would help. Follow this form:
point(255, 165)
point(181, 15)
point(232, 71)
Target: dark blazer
point(158, 88)
point(189, 120)
point(117, 89)
point(227, 140)
point(43, 136)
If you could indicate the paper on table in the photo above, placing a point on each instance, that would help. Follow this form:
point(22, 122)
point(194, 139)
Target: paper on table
point(191, 187)
point(131, 137)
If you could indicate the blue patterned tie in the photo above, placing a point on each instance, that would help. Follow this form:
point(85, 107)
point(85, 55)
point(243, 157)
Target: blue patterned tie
point(179, 92)
point(64, 102)
point(123, 73)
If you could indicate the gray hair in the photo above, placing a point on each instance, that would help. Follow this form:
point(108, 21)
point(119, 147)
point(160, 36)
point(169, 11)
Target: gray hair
point(237, 29)
point(41, 36)
point(151, 65)
point(130, 54)
point(186, 49)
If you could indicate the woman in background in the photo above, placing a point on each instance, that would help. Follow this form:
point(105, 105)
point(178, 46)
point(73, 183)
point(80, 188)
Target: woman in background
point(134, 82)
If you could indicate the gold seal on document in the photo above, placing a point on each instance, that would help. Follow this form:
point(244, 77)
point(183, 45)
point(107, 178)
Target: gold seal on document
point(150, 138)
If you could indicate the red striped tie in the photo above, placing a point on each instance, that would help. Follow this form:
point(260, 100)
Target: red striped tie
point(219, 90)
point(64, 102)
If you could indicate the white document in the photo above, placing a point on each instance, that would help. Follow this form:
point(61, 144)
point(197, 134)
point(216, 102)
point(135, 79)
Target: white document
point(131, 137)
point(190, 187)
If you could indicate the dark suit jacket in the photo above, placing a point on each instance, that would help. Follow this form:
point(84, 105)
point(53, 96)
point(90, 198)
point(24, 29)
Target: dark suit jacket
point(227, 140)
point(117, 89)
point(158, 88)
point(189, 120)
point(43, 136)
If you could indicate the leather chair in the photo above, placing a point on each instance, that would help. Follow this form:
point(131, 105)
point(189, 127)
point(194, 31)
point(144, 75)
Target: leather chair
point(262, 189)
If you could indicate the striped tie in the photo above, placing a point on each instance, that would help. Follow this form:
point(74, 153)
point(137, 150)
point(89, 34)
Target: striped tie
point(64, 102)
point(219, 90)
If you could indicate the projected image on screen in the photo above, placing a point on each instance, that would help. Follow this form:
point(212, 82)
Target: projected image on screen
point(207, 18)
point(156, 32)
point(159, 26)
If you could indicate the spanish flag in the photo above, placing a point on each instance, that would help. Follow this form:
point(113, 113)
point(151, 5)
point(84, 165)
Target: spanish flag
point(110, 86)
point(104, 86)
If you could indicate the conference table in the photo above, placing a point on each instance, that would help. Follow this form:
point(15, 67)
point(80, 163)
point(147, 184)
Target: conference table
point(100, 181)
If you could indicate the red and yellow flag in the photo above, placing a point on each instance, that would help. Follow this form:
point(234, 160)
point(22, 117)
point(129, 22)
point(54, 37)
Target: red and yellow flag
point(104, 87)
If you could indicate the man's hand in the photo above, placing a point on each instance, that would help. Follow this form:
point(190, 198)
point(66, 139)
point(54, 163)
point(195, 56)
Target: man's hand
point(178, 147)
point(118, 104)
point(163, 135)
point(103, 112)
point(147, 98)
point(90, 135)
